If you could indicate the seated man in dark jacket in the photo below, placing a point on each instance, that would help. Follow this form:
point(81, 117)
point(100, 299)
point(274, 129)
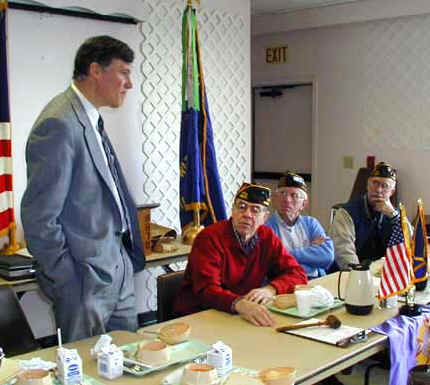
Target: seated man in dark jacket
point(238, 265)
point(362, 228)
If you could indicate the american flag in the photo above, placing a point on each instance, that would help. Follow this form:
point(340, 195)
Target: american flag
point(7, 219)
point(397, 270)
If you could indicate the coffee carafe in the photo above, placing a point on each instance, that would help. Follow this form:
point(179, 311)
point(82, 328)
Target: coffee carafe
point(359, 294)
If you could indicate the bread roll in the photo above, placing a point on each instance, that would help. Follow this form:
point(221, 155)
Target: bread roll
point(242, 379)
point(175, 333)
point(284, 301)
point(278, 376)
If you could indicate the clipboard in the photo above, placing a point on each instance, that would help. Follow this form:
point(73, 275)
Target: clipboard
point(342, 337)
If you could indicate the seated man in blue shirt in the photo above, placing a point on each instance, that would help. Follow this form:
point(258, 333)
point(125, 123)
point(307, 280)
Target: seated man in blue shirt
point(302, 236)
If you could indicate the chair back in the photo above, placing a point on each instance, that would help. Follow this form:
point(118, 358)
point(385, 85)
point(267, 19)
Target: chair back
point(16, 336)
point(168, 286)
point(333, 210)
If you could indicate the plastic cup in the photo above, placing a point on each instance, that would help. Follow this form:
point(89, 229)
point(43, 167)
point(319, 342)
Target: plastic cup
point(304, 299)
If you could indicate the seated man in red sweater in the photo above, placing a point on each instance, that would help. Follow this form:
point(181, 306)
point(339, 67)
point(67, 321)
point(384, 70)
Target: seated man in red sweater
point(238, 265)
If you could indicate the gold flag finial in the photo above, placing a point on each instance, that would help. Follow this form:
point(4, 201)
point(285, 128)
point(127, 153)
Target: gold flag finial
point(190, 2)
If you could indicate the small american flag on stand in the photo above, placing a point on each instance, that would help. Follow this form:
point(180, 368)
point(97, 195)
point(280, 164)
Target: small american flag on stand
point(396, 277)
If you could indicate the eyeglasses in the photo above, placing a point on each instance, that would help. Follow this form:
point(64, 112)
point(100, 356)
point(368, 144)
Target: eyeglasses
point(295, 196)
point(254, 209)
point(384, 186)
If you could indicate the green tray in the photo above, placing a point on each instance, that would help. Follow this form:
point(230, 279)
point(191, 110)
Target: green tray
point(175, 377)
point(183, 352)
point(293, 312)
point(87, 381)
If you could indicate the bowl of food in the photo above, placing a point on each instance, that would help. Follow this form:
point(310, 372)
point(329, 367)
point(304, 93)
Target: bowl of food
point(199, 374)
point(154, 353)
point(34, 377)
point(284, 375)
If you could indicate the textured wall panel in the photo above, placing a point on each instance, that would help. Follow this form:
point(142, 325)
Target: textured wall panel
point(224, 40)
point(397, 91)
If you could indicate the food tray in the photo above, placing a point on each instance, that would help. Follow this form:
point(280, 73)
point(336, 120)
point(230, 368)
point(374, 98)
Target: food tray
point(293, 312)
point(87, 381)
point(174, 378)
point(183, 352)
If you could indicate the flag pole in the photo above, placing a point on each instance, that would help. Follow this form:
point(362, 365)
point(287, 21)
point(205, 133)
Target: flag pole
point(410, 309)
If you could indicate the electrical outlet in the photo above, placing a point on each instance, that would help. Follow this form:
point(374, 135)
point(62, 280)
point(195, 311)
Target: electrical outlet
point(348, 161)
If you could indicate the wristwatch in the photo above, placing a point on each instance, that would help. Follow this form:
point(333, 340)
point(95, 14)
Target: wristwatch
point(233, 304)
point(394, 213)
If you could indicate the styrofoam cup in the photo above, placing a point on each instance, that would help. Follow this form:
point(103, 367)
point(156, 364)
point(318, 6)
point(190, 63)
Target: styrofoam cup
point(304, 299)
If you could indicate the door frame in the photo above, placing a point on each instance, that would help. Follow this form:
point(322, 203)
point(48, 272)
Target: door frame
point(312, 81)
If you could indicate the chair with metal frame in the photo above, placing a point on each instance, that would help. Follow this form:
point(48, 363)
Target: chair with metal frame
point(16, 336)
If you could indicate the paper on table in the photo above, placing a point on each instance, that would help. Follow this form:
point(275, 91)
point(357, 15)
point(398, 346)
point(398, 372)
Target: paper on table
point(326, 334)
point(421, 297)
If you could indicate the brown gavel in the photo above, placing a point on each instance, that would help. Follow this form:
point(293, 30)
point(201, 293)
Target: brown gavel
point(331, 321)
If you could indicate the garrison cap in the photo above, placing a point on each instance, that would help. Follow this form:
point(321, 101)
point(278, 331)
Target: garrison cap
point(291, 179)
point(254, 193)
point(384, 170)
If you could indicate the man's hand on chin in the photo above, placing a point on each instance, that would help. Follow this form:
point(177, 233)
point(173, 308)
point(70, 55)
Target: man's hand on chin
point(385, 207)
point(255, 313)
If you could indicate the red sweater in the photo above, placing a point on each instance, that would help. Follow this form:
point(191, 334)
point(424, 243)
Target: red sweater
point(218, 271)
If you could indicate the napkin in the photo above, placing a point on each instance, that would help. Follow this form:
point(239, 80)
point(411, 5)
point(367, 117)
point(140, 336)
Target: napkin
point(103, 343)
point(36, 363)
point(321, 297)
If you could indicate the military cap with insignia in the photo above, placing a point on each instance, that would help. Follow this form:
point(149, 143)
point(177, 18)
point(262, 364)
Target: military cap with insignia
point(254, 193)
point(291, 179)
point(384, 170)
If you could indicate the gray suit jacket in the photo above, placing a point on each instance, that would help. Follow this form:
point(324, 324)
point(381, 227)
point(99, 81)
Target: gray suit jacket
point(70, 218)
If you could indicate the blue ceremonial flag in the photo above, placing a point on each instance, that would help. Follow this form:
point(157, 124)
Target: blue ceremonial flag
point(200, 188)
point(420, 249)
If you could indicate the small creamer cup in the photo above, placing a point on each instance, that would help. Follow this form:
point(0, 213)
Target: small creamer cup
point(199, 374)
point(304, 299)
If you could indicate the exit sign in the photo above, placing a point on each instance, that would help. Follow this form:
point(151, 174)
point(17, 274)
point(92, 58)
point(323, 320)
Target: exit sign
point(276, 55)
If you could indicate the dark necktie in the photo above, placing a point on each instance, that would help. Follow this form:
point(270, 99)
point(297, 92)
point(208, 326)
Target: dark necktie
point(114, 171)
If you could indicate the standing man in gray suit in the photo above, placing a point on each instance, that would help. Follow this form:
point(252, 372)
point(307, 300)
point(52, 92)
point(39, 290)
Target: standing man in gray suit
point(79, 218)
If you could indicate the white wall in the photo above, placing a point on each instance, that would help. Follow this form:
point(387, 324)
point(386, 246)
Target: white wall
point(372, 94)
